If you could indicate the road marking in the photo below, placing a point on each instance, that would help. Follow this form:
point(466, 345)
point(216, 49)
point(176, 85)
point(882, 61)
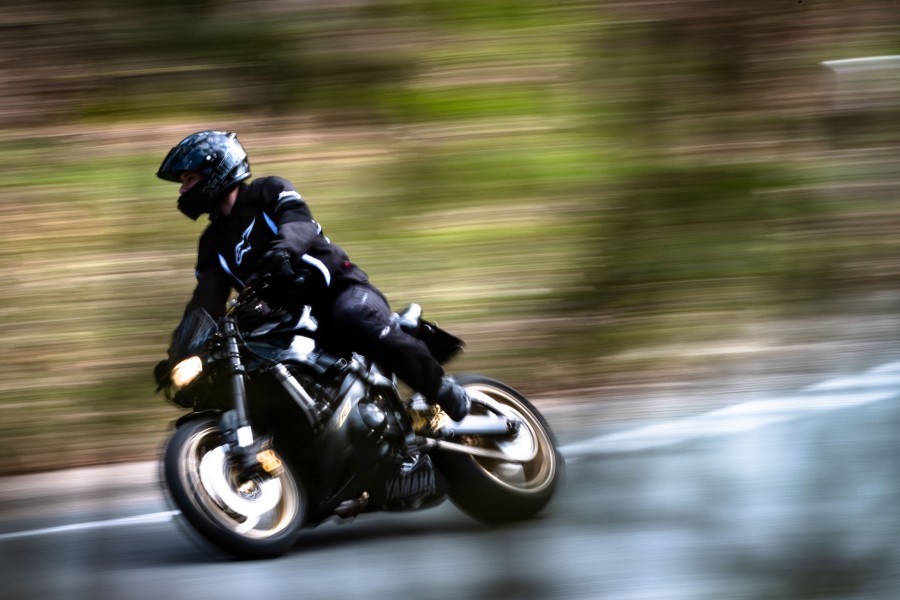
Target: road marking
point(159, 517)
point(875, 385)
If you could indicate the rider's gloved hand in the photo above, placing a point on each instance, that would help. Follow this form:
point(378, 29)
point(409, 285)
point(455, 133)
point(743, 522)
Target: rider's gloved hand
point(277, 264)
point(286, 287)
point(161, 373)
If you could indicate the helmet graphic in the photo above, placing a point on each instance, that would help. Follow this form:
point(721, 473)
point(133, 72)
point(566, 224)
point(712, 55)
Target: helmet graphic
point(219, 158)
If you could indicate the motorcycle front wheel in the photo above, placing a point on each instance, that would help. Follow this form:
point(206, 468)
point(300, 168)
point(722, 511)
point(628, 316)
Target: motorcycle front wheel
point(256, 517)
point(494, 490)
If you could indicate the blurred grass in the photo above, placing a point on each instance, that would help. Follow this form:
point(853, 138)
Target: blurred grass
point(534, 175)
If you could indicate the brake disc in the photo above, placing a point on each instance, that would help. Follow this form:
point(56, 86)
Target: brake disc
point(251, 498)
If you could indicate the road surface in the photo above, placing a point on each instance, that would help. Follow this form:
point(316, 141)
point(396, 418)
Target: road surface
point(793, 497)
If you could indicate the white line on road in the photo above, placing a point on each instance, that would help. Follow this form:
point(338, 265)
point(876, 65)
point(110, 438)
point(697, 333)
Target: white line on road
point(159, 517)
point(880, 383)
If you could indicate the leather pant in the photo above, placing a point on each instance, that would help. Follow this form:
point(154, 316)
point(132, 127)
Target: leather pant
point(359, 320)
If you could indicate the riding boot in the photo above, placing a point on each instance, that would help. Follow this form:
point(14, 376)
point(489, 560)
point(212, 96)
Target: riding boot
point(453, 399)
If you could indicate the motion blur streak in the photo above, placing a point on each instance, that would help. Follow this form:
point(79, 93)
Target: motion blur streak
point(663, 208)
point(881, 383)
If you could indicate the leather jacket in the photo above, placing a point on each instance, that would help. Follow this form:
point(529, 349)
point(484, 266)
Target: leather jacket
point(268, 214)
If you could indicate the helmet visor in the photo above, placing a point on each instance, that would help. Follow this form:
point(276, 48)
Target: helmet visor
point(177, 161)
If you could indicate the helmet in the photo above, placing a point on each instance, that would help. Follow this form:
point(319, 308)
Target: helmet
point(221, 161)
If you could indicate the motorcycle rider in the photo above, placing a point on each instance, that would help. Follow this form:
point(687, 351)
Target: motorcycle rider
point(265, 226)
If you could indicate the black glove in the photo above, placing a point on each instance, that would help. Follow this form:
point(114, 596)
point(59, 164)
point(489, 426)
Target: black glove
point(161, 373)
point(277, 264)
point(286, 287)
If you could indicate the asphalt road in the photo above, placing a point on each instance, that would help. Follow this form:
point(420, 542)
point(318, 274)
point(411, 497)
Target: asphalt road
point(794, 497)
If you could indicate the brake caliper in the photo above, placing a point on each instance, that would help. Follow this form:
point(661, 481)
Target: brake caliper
point(270, 462)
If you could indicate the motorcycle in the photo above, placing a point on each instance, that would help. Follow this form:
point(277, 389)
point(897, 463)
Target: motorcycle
point(284, 433)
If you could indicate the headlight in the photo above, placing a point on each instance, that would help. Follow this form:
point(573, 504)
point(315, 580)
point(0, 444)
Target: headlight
point(186, 371)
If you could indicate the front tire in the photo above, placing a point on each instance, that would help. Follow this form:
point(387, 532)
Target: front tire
point(496, 491)
point(260, 517)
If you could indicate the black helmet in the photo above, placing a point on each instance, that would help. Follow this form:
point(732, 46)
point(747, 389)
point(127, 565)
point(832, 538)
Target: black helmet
point(221, 161)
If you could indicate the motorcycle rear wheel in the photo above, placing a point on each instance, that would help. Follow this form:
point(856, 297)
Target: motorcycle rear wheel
point(256, 518)
point(495, 491)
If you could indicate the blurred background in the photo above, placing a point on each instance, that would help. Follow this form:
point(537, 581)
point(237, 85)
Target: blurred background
point(592, 194)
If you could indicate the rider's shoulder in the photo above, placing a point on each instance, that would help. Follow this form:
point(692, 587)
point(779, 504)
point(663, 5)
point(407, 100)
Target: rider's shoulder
point(272, 184)
point(275, 193)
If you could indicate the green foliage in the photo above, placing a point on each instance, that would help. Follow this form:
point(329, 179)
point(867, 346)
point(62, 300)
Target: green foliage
point(659, 169)
point(479, 15)
point(699, 226)
point(467, 102)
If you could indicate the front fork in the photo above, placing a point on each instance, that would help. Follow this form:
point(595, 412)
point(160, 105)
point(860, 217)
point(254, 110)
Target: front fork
point(252, 453)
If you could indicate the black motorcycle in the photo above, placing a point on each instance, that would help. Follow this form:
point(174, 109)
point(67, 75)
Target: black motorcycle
point(284, 433)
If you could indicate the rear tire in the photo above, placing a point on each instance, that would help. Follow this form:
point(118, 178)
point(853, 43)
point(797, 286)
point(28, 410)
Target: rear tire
point(257, 518)
point(495, 491)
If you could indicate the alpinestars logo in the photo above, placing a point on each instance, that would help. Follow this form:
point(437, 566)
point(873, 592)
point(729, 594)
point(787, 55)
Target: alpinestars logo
point(243, 247)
